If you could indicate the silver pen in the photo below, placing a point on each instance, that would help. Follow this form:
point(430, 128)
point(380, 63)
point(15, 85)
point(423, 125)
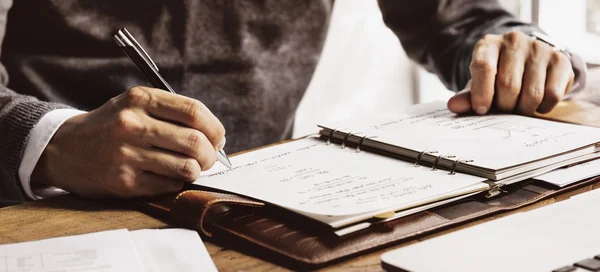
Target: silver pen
point(144, 63)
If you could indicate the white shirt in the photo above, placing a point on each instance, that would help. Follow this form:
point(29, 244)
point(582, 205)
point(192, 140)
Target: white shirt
point(39, 138)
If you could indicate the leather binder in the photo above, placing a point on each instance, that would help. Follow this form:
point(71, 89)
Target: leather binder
point(285, 237)
point(241, 222)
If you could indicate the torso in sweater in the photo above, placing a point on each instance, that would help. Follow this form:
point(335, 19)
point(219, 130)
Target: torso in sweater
point(248, 61)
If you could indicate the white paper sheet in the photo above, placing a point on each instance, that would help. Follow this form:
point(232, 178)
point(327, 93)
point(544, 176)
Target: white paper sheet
point(565, 176)
point(311, 177)
point(163, 250)
point(494, 141)
point(95, 252)
point(177, 250)
point(542, 239)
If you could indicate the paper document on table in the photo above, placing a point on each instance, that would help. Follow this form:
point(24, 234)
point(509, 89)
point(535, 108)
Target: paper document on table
point(177, 250)
point(512, 139)
point(312, 177)
point(565, 176)
point(101, 251)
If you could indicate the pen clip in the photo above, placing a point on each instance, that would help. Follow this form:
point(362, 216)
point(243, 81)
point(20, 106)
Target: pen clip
point(124, 38)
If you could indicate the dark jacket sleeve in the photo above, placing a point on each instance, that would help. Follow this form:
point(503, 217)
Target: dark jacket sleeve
point(440, 34)
point(18, 115)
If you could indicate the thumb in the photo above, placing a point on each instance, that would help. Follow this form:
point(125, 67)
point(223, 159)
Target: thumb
point(461, 102)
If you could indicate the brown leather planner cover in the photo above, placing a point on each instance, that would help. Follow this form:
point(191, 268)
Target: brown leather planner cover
point(243, 223)
point(283, 237)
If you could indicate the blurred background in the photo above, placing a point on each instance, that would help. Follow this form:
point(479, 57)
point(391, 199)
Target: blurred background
point(363, 70)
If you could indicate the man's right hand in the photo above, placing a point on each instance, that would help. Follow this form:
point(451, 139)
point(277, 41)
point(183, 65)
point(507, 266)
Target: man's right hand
point(144, 142)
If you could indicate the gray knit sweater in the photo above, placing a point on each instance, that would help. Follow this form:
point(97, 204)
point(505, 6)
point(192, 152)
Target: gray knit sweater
point(248, 61)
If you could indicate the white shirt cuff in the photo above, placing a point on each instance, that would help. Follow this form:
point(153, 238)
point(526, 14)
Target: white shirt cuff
point(39, 138)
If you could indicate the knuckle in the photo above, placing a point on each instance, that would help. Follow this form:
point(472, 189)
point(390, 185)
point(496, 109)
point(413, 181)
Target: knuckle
point(488, 38)
point(195, 110)
point(483, 65)
point(507, 84)
point(536, 95)
point(189, 170)
point(558, 58)
point(121, 153)
point(539, 47)
point(137, 95)
point(127, 122)
point(483, 44)
point(194, 140)
point(514, 38)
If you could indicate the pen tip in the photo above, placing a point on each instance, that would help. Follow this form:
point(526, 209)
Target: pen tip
point(225, 159)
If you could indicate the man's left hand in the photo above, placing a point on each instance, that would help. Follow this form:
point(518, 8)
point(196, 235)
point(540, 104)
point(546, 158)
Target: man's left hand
point(514, 73)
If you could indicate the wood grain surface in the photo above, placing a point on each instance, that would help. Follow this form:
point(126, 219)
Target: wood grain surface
point(70, 215)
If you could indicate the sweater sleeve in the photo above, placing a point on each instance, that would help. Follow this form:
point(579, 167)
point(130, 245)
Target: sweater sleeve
point(18, 115)
point(441, 34)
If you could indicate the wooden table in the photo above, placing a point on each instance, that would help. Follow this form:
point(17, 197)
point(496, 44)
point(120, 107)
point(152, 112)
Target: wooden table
point(69, 215)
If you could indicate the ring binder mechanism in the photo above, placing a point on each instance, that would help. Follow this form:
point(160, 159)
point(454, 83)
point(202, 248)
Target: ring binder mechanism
point(360, 142)
point(456, 163)
point(495, 189)
point(331, 132)
point(331, 135)
point(346, 139)
point(421, 155)
point(437, 160)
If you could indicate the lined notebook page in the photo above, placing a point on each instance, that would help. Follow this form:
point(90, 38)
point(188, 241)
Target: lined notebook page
point(311, 177)
point(493, 141)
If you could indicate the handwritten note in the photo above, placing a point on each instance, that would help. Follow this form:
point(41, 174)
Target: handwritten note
point(493, 141)
point(315, 178)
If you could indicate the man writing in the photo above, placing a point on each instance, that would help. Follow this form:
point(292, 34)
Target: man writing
point(249, 62)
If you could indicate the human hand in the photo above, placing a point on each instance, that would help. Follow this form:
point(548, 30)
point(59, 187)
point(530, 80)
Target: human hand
point(144, 142)
point(514, 73)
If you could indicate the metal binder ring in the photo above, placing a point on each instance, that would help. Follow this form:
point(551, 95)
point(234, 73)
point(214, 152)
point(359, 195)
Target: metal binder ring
point(437, 160)
point(360, 142)
point(456, 163)
point(331, 132)
point(346, 139)
point(421, 155)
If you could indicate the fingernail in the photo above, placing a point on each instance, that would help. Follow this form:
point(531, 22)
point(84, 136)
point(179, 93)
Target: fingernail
point(481, 110)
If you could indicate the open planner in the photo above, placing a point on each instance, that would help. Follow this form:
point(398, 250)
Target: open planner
point(373, 170)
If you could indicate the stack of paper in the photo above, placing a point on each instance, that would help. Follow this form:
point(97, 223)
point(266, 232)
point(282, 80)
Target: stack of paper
point(569, 175)
point(115, 250)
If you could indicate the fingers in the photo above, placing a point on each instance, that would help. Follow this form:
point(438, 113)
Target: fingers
point(515, 73)
point(483, 73)
point(534, 79)
point(171, 165)
point(560, 77)
point(176, 108)
point(511, 66)
point(461, 102)
point(183, 140)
